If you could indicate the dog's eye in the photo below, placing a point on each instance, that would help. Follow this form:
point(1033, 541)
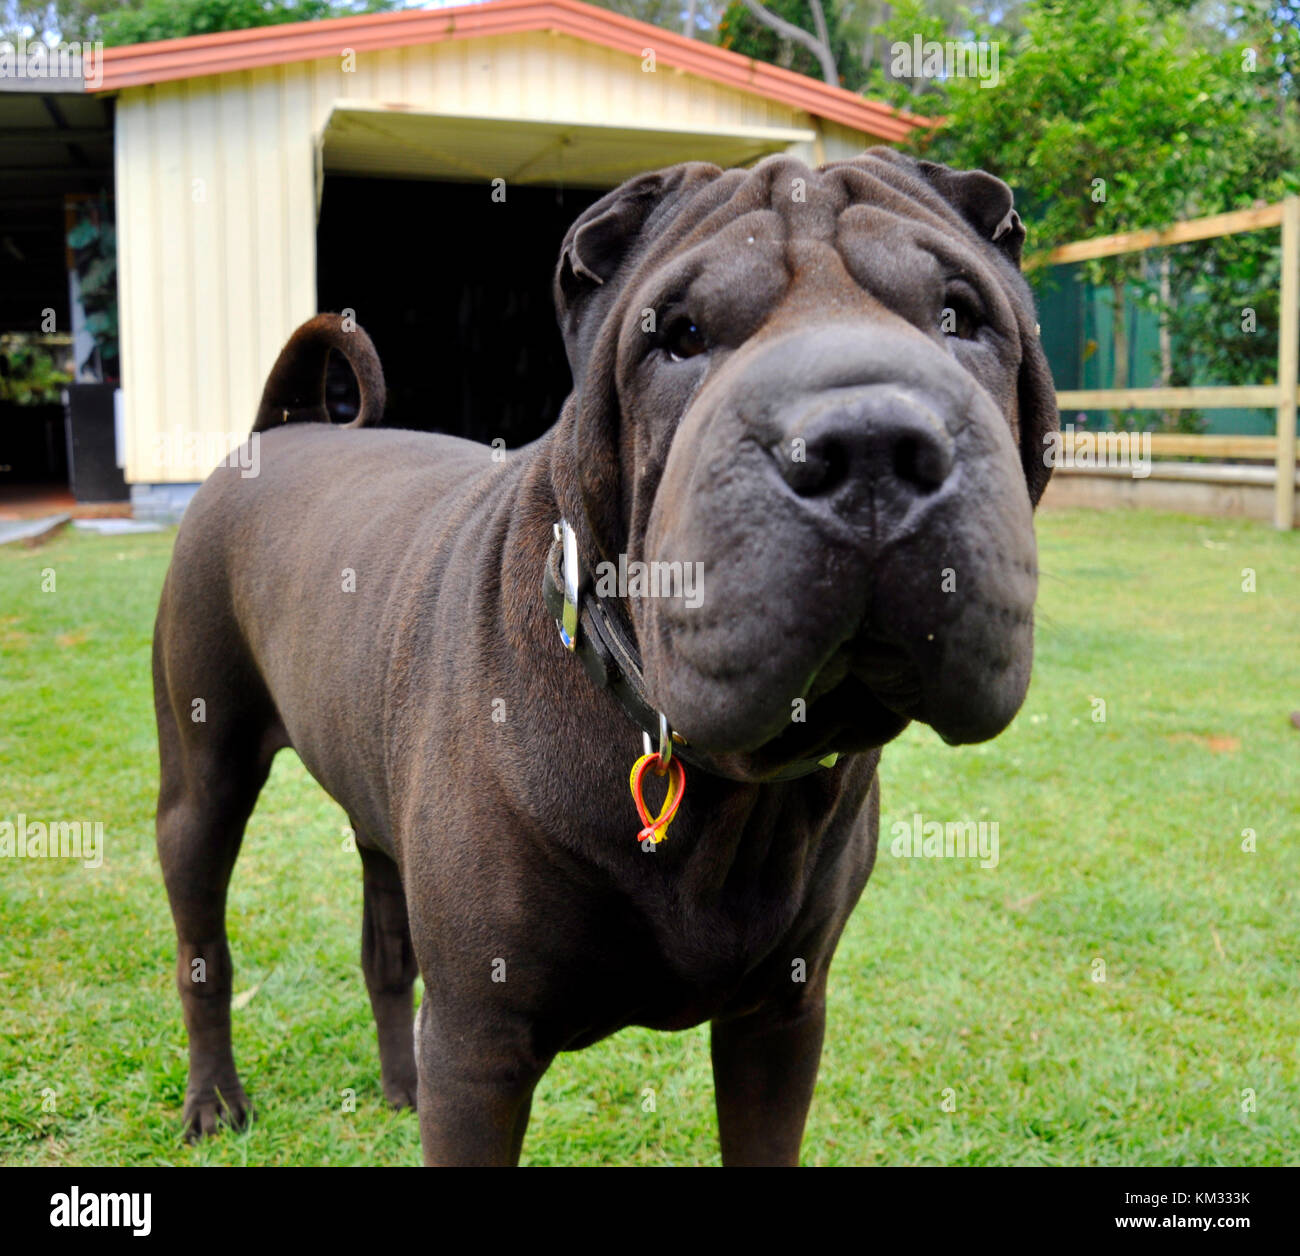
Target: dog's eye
point(962, 315)
point(683, 339)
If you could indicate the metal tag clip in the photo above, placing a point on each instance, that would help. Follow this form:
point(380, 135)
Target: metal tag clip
point(665, 743)
point(569, 570)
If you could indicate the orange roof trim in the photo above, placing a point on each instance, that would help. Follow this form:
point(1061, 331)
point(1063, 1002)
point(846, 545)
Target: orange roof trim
point(199, 55)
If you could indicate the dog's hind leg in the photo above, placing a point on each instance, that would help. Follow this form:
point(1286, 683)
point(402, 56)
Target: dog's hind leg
point(388, 961)
point(211, 774)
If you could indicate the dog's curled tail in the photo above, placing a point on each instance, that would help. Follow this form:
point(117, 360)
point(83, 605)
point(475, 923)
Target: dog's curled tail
point(295, 389)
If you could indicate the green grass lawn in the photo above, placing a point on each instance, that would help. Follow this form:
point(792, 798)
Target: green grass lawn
point(966, 1023)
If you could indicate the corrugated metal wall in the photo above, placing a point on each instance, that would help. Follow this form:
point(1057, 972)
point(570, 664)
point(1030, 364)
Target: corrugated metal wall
point(216, 220)
point(216, 188)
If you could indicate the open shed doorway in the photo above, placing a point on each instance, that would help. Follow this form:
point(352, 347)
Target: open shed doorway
point(455, 291)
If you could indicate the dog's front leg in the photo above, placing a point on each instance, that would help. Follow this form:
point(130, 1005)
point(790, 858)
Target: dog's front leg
point(475, 1087)
point(764, 1070)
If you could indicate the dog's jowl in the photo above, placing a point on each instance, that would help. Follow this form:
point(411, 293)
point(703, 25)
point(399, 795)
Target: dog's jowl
point(786, 509)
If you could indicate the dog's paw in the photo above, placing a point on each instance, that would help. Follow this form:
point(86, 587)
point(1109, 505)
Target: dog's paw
point(208, 1110)
point(400, 1094)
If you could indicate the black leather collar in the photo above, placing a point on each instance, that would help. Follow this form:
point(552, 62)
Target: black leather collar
point(613, 661)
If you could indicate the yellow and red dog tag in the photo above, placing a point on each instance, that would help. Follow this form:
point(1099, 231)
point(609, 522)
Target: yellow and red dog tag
point(657, 829)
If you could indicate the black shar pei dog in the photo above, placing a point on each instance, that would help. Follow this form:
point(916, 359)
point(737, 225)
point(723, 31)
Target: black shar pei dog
point(786, 509)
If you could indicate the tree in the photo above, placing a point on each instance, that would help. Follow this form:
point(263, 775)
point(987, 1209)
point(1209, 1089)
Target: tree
point(1116, 115)
point(691, 17)
point(69, 19)
point(142, 21)
point(171, 19)
point(860, 34)
point(880, 27)
point(787, 27)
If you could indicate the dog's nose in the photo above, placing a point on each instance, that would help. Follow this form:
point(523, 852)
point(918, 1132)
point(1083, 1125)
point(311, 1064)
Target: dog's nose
point(868, 441)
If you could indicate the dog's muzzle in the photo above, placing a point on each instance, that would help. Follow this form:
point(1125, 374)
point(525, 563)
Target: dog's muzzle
point(868, 550)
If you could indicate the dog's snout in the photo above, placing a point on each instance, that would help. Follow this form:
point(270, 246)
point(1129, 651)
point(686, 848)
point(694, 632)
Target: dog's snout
point(878, 438)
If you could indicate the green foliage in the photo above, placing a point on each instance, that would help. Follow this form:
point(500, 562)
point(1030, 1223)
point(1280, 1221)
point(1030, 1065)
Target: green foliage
point(93, 242)
point(30, 374)
point(901, 23)
point(862, 34)
point(1117, 115)
point(170, 19)
point(70, 19)
point(740, 31)
point(668, 14)
point(1223, 324)
point(1109, 116)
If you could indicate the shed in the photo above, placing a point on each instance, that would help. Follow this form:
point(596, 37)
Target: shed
point(350, 164)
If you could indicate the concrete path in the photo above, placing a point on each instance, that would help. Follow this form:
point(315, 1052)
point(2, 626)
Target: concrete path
point(30, 530)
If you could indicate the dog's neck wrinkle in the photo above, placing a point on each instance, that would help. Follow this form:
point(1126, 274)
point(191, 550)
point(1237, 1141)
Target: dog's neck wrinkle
point(736, 853)
point(730, 892)
point(760, 841)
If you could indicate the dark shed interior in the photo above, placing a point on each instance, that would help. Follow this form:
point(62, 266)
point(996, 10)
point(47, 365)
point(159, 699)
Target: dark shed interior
point(455, 291)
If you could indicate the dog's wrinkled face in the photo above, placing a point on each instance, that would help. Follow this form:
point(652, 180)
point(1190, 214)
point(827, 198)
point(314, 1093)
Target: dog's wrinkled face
point(824, 391)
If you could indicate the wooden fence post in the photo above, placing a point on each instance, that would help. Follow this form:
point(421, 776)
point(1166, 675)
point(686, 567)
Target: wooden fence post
point(1288, 364)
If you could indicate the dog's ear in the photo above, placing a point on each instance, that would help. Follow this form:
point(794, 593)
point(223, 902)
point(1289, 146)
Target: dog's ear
point(1036, 397)
point(599, 239)
point(988, 205)
point(603, 239)
point(983, 200)
point(601, 248)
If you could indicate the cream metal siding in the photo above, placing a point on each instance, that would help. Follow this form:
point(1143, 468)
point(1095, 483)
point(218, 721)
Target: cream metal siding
point(216, 258)
point(839, 143)
point(217, 194)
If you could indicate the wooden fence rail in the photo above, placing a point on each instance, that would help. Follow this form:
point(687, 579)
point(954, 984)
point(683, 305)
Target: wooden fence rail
point(1185, 445)
point(1280, 397)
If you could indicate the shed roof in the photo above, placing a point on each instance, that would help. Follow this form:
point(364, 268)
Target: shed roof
point(199, 55)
